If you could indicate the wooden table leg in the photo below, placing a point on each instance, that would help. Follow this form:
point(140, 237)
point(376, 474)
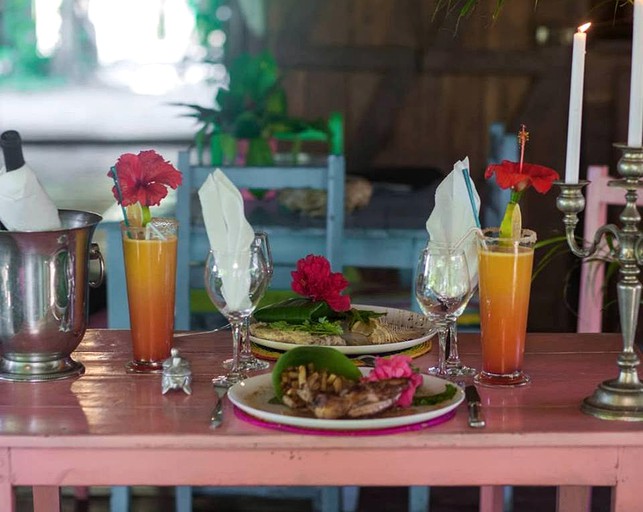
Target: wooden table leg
point(46, 498)
point(7, 496)
point(491, 498)
point(626, 495)
point(573, 498)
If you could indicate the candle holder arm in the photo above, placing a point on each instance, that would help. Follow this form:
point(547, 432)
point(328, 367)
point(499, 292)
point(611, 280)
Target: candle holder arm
point(571, 202)
point(593, 248)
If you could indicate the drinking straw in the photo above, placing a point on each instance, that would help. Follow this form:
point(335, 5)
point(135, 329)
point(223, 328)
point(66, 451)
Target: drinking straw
point(120, 198)
point(474, 210)
point(120, 194)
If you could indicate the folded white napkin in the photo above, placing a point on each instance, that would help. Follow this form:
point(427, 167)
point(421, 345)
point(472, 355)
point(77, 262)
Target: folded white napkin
point(24, 204)
point(230, 236)
point(455, 214)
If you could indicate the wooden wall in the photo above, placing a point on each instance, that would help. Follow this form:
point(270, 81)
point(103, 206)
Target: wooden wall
point(418, 93)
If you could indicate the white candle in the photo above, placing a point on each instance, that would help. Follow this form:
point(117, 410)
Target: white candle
point(635, 126)
point(575, 105)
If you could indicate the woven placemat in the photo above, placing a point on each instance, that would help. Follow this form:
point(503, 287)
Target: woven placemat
point(416, 351)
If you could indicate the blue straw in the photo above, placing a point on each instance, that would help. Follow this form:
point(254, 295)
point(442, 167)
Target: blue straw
point(120, 195)
point(467, 181)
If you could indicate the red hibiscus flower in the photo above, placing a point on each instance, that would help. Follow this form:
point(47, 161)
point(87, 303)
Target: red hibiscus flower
point(397, 367)
point(314, 279)
point(520, 176)
point(144, 178)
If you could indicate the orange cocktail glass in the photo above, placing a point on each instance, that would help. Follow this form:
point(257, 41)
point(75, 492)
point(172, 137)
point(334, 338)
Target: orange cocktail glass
point(504, 272)
point(150, 271)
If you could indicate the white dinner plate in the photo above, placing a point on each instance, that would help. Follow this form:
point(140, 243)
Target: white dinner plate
point(253, 396)
point(398, 317)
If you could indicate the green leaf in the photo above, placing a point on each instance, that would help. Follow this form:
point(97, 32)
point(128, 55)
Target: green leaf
point(294, 311)
point(322, 358)
point(448, 393)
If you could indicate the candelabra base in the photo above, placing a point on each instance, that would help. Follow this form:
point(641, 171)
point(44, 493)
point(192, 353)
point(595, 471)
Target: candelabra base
point(614, 400)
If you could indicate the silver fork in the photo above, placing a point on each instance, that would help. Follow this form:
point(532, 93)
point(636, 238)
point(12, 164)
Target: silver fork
point(217, 412)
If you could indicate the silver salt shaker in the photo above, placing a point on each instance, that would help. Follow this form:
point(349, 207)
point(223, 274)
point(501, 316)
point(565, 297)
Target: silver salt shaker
point(176, 373)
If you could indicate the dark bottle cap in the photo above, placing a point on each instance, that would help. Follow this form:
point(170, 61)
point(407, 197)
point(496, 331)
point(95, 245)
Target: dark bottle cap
point(11, 144)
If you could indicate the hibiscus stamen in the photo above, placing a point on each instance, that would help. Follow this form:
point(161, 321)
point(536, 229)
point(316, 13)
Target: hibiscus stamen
point(523, 137)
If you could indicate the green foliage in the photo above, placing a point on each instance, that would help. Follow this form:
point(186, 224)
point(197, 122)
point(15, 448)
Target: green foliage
point(18, 42)
point(254, 107)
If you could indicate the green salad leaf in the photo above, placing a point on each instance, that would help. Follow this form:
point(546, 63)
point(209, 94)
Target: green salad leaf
point(448, 393)
point(293, 311)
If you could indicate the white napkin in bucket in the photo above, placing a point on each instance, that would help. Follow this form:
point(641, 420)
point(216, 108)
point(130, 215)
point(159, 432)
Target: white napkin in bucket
point(24, 204)
point(230, 236)
point(456, 213)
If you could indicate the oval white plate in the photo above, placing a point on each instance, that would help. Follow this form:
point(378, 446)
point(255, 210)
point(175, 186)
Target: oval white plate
point(252, 397)
point(394, 316)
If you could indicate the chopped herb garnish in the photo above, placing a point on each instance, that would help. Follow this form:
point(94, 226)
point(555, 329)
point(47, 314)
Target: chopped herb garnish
point(322, 326)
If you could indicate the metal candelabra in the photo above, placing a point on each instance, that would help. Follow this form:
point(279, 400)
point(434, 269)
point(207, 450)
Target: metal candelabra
point(620, 398)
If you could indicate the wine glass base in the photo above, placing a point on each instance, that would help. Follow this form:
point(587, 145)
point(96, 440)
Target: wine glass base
point(228, 380)
point(252, 364)
point(144, 367)
point(514, 379)
point(456, 371)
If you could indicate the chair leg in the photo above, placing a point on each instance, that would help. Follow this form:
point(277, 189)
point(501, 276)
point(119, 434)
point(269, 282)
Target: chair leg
point(119, 499)
point(419, 498)
point(350, 498)
point(329, 501)
point(183, 498)
point(508, 498)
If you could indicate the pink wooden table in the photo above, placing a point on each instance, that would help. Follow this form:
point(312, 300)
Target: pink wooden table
point(110, 428)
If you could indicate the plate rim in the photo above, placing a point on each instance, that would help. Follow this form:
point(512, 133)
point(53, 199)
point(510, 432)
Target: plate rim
point(382, 348)
point(343, 424)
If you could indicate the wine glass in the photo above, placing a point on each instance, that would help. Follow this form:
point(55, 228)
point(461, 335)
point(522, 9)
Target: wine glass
point(247, 361)
point(235, 282)
point(443, 289)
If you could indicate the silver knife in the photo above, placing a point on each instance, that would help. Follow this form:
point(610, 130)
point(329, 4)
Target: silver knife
point(475, 407)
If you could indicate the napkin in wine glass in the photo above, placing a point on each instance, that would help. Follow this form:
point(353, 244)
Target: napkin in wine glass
point(230, 236)
point(24, 204)
point(456, 214)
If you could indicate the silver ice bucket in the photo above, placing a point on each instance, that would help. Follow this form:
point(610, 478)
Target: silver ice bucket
point(44, 288)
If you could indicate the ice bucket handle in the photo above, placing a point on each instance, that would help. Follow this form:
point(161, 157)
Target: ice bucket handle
point(95, 254)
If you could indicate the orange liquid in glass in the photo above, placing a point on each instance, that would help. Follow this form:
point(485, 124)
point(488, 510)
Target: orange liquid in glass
point(505, 282)
point(150, 270)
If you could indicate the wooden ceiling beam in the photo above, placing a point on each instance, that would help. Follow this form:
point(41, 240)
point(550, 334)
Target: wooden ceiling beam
point(386, 59)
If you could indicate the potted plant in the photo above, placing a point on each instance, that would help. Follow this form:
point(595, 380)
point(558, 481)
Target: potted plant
point(250, 115)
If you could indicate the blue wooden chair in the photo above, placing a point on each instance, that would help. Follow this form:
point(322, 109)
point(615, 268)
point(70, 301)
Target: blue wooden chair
point(290, 237)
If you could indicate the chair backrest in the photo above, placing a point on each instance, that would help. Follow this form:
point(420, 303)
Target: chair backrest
point(289, 241)
point(597, 198)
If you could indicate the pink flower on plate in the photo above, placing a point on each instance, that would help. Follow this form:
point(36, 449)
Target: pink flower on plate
point(397, 367)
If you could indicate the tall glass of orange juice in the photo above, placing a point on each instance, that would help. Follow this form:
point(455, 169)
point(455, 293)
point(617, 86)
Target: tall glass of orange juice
point(150, 272)
point(504, 272)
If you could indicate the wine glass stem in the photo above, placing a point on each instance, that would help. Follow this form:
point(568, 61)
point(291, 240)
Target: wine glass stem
point(237, 326)
point(442, 344)
point(453, 358)
point(246, 349)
